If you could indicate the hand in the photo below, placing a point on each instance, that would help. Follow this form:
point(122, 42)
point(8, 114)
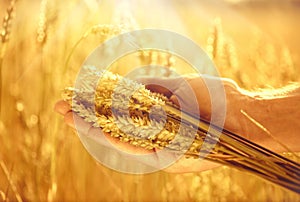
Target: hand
point(181, 166)
point(179, 89)
point(237, 118)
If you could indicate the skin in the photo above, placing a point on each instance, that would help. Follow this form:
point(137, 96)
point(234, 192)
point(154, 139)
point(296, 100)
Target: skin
point(265, 118)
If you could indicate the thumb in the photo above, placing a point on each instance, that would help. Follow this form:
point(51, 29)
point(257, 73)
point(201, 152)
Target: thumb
point(177, 89)
point(162, 85)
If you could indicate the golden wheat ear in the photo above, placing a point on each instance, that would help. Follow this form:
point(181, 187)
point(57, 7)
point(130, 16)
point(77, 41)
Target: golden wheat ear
point(133, 114)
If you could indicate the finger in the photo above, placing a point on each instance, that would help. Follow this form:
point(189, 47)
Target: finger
point(127, 147)
point(69, 119)
point(98, 135)
point(164, 85)
point(75, 121)
point(174, 100)
point(159, 89)
point(62, 107)
point(177, 89)
point(182, 164)
point(189, 165)
point(107, 140)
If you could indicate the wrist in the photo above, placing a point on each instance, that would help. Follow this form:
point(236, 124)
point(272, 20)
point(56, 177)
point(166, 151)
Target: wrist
point(239, 108)
point(275, 119)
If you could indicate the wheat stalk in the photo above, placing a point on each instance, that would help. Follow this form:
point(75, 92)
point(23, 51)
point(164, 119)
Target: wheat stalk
point(3, 196)
point(110, 113)
point(4, 34)
point(215, 41)
point(103, 31)
point(42, 24)
point(6, 24)
point(11, 182)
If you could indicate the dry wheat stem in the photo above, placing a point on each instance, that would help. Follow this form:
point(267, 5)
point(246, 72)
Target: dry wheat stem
point(3, 196)
point(6, 23)
point(130, 121)
point(42, 24)
point(5, 32)
point(269, 134)
point(104, 30)
point(10, 180)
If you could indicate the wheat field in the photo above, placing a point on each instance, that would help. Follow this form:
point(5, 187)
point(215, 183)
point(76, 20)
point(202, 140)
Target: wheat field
point(41, 159)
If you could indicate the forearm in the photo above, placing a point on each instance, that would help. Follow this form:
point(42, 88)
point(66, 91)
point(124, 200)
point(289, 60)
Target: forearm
point(277, 117)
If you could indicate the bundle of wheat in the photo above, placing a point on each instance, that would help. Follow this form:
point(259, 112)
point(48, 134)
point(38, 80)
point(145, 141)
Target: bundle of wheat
point(131, 113)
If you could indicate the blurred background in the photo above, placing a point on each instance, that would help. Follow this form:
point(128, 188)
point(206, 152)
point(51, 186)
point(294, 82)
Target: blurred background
point(256, 43)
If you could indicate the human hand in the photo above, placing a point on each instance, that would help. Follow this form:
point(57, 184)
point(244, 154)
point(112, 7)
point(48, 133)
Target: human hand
point(181, 91)
point(178, 88)
point(153, 159)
